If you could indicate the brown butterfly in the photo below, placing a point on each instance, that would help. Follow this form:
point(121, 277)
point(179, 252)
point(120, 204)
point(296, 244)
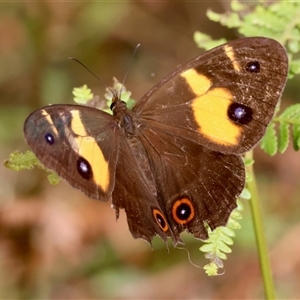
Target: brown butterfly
point(173, 162)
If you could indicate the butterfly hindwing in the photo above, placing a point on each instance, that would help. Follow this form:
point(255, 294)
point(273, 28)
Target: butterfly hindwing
point(136, 192)
point(202, 188)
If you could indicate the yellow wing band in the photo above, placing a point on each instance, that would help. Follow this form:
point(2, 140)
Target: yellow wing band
point(49, 120)
point(87, 147)
point(230, 54)
point(210, 107)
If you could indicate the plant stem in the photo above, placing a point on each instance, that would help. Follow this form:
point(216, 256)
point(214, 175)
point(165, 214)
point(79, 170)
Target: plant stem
point(259, 233)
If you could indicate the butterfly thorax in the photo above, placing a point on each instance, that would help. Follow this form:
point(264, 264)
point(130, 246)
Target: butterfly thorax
point(123, 115)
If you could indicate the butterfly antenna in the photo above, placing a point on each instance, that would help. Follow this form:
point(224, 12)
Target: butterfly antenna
point(189, 257)
point(126, 74)
point(82, 64)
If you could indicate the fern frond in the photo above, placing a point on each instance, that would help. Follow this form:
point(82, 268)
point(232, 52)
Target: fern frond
point(289, 119)
point(220, 239)
point(18, 161)
point(82, 94)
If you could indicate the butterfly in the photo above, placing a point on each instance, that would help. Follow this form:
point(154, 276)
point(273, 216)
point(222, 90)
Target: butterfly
point(173, 162)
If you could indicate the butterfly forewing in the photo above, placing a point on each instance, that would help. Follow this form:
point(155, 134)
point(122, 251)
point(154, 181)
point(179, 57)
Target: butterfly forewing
point(224, 99)
point(79, 143)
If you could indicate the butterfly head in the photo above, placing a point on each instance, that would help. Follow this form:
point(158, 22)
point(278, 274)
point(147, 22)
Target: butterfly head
point(123, 115)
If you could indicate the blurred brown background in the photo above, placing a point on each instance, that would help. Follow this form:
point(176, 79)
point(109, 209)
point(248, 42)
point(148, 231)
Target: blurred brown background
point(57, 244)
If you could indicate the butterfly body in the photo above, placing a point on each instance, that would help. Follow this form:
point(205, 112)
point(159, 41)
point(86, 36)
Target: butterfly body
point(173, 162)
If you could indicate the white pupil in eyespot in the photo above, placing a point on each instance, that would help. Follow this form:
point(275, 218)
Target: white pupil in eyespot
point(239, 112)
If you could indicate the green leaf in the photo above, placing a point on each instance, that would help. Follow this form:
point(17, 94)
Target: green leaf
point(18, 161)
point(224, 248)
point(294, 67)
point(289, 117)
point(53, 178)
point(22, 161)
point(296, 137)
point(293, 46)
point(248, 161)
point(211, 269)
point(221, 255)
point(82, 94)
point(226, 239)
point(248, 177)
point(237, 215)
point(231, 20)
point(220, 240)
point(204, 41)
point(245, 194)
point(278, 20)
point(213, 16)
point(240, 205)
point(261, 20)
point(237, 6)
point(283, 137)
point(289, 113)
point(269, 140)
point(233, 224)
point(207, 247)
